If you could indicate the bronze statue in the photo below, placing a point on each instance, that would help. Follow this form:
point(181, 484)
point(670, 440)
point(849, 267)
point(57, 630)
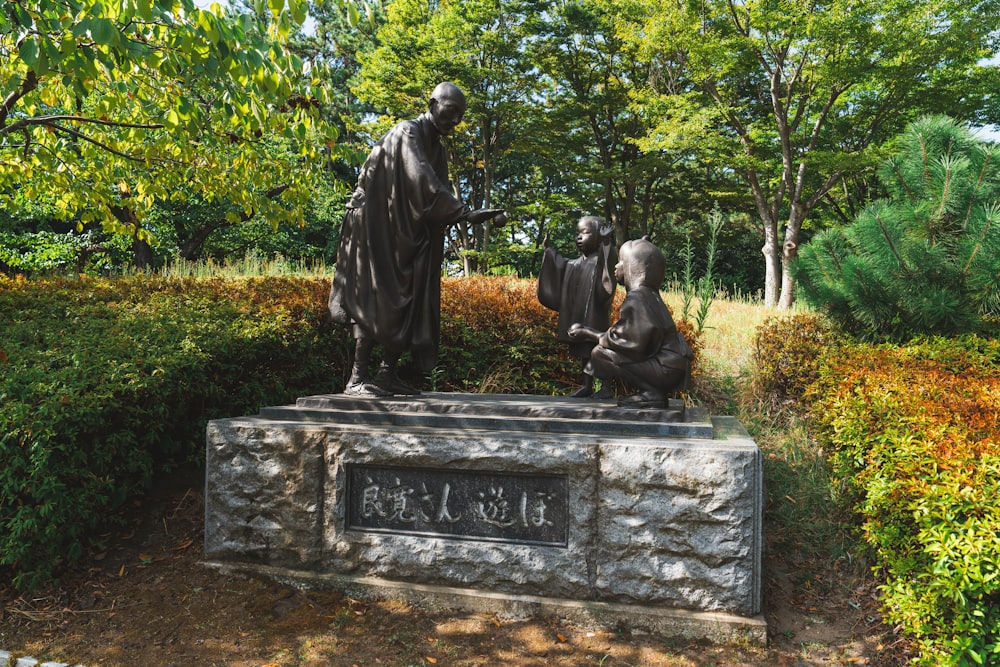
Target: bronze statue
point(387, 285)
point(643, 348)
point(581, 290)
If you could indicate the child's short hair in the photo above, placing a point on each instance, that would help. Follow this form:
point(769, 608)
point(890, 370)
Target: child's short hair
point(645, 261)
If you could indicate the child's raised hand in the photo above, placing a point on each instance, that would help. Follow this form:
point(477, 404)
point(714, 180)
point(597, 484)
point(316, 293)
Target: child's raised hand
point(606, 232)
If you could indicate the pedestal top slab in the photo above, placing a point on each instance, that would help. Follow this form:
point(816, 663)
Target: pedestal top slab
point(505, 412)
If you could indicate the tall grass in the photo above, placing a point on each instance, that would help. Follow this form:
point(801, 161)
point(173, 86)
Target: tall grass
point(251, 265)
point(729, 331)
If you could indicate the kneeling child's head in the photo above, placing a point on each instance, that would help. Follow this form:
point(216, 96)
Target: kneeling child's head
point(640, 263)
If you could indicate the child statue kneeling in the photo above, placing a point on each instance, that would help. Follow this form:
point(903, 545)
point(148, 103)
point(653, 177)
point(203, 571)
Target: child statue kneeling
point(643, 348)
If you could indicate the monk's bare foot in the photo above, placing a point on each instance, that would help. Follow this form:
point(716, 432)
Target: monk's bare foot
point(583, 392)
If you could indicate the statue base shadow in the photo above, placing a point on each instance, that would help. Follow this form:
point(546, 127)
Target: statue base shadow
point(507, 504)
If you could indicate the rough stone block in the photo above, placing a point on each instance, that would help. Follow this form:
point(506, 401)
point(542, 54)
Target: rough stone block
point(265, 495)
point(548, 498)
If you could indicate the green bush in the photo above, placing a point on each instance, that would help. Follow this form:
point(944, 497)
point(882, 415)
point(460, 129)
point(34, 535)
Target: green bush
point(786, 358)
point(40, 252)
point(914, 433)
point(104, 384)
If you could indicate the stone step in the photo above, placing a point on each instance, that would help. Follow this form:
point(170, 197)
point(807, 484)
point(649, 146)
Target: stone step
point(496, 412)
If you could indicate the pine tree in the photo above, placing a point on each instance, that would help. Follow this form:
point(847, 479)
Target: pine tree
point(925, 260)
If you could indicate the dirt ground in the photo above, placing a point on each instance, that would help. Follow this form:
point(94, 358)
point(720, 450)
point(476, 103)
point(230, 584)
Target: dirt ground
point(148, 601)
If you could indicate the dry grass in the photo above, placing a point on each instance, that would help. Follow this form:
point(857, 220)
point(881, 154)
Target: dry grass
point(725, 363)
point(729, 331)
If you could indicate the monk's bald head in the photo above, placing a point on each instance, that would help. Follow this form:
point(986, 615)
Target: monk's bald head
point(446, 107)
point(448, 91)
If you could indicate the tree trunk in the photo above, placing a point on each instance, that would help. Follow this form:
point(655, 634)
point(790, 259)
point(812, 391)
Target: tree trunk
point(142, 252)
point(772, 248)
point(789, 251)
point(190, 248)
point(772, 264)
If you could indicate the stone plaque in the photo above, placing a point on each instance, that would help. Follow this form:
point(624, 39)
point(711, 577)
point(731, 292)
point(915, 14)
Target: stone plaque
point(461, 504)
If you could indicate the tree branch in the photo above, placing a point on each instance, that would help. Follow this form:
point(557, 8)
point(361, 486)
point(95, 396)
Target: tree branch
point(50, 120)
point(81, 135)
point(29, 84)
point(823, 189)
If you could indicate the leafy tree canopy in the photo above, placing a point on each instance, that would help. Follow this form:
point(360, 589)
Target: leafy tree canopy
point(113, 105)
point(806, 94)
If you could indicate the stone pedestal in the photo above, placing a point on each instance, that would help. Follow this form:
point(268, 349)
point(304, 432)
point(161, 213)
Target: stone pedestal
point(509, 504)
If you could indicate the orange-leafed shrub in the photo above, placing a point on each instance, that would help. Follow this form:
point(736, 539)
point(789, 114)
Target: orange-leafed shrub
point(496, 337)
point(915, 438)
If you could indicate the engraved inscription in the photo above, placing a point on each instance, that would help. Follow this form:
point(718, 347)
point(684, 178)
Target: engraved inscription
point(465, 504)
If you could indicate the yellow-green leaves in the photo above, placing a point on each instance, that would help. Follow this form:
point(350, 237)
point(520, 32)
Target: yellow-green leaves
point(159, 95)
point(352, 14)
point(103, 31)
point(144, 8)
point(298, 10)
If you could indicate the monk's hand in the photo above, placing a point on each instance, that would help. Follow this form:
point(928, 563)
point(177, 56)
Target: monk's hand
point(479, 216)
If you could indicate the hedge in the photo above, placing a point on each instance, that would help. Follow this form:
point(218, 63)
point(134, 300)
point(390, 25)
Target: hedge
point(913, 435)
point(106, 383)
point(915, 432)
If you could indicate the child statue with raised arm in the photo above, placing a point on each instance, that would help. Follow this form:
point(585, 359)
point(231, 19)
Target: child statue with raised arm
point(581, 290)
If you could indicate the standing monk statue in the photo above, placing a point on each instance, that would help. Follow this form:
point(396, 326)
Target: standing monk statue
point(387, 285)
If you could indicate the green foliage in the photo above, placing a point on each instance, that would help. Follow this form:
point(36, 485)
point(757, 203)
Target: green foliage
point(105, 383)
point(927, 259)
point(913, 436)
point(786, 358)
point(113, 106)
point(40, 252)
point(703, 288)
point(737, 255)
point(804, 94)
